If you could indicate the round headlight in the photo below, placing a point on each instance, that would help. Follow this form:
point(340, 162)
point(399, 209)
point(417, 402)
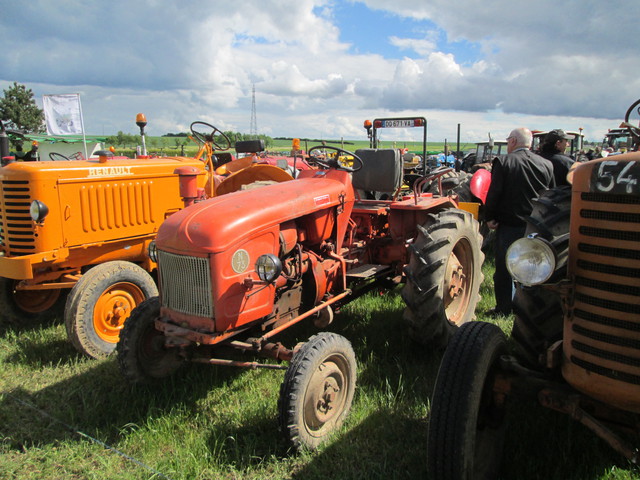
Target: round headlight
point(268, 267)
point(153, 251)
point(38, 211)
point(531, 260)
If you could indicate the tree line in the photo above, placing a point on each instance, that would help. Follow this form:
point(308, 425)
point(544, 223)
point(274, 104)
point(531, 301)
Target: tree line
point(19, 111)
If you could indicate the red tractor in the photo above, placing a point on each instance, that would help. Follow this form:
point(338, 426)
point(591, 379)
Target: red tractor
point(236, 270)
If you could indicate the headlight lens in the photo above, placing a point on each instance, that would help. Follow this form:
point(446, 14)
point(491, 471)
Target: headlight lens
point(38, 211)
point(268, 267)
point(531, 260)
point(153, 251)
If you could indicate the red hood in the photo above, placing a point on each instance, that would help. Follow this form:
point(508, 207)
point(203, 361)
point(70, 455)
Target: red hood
point(213, 225)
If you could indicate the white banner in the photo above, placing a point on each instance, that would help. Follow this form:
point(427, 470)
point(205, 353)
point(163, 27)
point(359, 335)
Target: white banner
point(63, 114)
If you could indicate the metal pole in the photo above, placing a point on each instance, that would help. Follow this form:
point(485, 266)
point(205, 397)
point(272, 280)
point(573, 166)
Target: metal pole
point(458, 150)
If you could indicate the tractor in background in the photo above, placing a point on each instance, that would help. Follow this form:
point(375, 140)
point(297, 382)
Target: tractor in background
point(74, 233)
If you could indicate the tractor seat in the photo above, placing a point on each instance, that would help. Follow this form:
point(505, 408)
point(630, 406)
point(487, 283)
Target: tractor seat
point(250, 146)
point(381, 170)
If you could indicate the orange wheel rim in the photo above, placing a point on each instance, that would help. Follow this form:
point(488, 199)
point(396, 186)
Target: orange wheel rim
point(112, 309)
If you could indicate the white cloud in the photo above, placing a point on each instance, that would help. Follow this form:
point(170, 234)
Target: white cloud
point(193, 60)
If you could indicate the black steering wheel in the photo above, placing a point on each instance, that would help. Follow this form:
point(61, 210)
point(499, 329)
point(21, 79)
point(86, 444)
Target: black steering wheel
point(333, 162)
point(213, 135)
point(632, 122)
point(57, 156)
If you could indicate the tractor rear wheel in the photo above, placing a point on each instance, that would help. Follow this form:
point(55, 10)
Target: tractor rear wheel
point(443, 276)
point(317, 390)
point(538, 311)
point(466, 421)
point(18, 306)
point(101, 301)
point(141, 351)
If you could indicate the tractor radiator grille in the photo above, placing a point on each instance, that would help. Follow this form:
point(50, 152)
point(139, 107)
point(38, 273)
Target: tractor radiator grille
point(116, 205)
point(604, 330)
point(16, 226)
point(185, 284)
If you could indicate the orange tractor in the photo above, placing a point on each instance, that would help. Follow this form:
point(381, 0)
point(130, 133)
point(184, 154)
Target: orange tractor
point(576, 331)
point(236, 270)
point(83, 227)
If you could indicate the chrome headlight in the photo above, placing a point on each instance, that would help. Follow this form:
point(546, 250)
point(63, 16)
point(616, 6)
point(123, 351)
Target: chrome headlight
point(38, 211)
point(268, 267)
point(152, 251)
point(531, 260)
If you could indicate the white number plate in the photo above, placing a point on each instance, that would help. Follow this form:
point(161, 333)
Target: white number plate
point(397, 123)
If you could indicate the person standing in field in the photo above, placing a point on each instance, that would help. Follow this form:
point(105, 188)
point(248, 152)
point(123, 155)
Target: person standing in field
point(516, 181)
point(553, 147)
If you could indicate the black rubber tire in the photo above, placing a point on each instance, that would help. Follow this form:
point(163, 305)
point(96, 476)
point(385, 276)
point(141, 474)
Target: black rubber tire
point(538, 311)
point(141, 354)
point(31, 306)
point(326, 360)
point(447, 237)
point(466, 426)
point(111, 287)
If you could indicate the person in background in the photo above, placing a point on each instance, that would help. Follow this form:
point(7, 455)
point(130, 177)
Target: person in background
point(553, 147)
point(516, 181)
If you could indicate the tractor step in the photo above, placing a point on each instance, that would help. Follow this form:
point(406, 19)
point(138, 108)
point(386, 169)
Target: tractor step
point(367, 271)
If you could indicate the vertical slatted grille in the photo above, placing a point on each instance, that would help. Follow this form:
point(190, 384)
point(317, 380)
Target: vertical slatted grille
point(605, 328)
point(185, 284)
point(115, 205)
point(16, 225)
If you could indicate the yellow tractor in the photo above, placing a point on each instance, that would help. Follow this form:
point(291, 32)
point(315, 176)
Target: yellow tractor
point(74, 233)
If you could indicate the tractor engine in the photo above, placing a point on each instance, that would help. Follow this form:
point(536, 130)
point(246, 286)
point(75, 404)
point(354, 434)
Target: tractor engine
point(264, 255)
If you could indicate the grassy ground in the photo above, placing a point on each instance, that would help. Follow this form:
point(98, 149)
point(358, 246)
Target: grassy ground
point(66, 417)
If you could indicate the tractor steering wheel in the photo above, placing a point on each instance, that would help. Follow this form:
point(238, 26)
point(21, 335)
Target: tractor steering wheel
point(213, 136)
point(333, 162)
point(57, 156)
point(629, 120)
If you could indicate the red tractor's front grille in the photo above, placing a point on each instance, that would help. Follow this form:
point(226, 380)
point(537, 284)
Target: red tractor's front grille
point(602, 334)
point(16, 225)
point(185, 284)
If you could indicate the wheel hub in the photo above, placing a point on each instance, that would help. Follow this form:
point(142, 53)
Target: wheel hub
point(324, 395)
point(113, 308)
point(455, 277)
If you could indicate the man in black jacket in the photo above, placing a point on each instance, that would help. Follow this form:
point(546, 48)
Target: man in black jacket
point(553, 147)
point(516, 181)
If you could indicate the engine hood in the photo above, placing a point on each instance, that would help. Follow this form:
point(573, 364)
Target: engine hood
point(213, 225)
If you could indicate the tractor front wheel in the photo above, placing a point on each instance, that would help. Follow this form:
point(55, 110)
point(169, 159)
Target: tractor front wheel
point(18, 306)
point(101, 301)
point(142, 354)
point(443, 276)
point(317, 390)
point(466, 421)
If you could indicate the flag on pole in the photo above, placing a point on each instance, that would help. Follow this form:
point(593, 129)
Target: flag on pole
point(63, 114)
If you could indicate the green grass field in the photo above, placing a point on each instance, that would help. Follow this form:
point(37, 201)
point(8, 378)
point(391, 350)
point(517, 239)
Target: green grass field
point(63, 416)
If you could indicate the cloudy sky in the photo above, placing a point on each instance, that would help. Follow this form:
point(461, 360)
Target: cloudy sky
point(321, 67)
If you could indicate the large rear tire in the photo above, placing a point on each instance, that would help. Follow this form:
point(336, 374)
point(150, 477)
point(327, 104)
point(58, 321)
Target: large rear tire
point(101, 301)
point(18, 306)
point(538, 311)
point(443, 276)
point(466, 421)
point(317, 390)
point(142, 355)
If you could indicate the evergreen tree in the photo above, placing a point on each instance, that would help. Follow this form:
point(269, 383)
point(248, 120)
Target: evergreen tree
point(18, 110)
